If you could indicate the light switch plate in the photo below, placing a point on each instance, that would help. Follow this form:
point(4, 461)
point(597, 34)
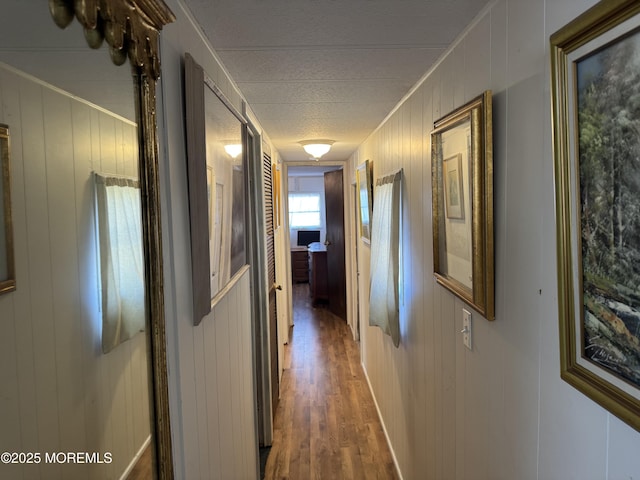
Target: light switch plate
point(466, 328)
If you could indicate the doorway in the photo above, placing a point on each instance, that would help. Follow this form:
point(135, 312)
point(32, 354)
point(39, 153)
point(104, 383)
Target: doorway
point(336, 271)
point(315, 210)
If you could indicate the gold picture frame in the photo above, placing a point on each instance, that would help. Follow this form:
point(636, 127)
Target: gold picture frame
point(7, 265)
point(595, 167)
point(364, 182)
point(462, 174)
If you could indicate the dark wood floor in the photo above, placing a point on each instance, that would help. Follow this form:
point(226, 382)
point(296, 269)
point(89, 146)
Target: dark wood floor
point(326, 425)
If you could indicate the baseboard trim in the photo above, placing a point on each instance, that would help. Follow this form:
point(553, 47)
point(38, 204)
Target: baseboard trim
point(384, 427)
point(137, 456)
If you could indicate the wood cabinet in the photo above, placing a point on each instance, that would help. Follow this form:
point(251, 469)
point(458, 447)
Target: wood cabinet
point(299, 265)
point(318, 272)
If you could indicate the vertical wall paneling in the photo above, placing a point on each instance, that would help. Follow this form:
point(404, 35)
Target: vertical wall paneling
point(14, 337)
point(225, 406)
point(412, 258)
point(184, 422)
point(37, 241)
point(495, 344)
point(202, 406)
point(85, 265)
point(423, 120)
point(212, 389)
point(64, 247)
point(63, 394)
point(499, 411)
point(210, 359)
point(237, 406)
point(477, 398)
point(562, 408)
point(9, 380)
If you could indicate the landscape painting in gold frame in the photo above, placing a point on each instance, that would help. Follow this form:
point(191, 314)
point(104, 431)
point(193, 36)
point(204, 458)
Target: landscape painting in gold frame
point(462, 174)
point(595, 75)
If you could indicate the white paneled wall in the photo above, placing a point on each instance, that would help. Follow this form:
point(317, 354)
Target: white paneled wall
point(500, 411)
point(58, 392)
point(211, 383)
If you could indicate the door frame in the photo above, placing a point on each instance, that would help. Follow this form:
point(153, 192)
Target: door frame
point(355, 248)
point(260, 298)
point(348, 230)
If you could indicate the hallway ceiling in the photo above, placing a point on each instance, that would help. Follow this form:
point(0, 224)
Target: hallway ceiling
point(328, 68)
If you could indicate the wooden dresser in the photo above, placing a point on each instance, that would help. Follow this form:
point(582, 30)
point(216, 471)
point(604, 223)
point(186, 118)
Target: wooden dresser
point(299, 265)
point(318, 272)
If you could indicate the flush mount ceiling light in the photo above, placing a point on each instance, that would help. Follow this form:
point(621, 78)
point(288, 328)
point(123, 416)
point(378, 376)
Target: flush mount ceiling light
point(316, 148)
point(233, 150)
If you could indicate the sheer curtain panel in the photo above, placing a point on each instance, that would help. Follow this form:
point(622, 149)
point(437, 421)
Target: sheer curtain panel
point(121, 259)
point(385, 254)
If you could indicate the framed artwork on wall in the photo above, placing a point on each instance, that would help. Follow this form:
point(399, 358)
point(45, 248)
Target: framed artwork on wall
point(364, 181)
point(454, 201)
point(7, 266)
point(595, 73)
point(461, 175)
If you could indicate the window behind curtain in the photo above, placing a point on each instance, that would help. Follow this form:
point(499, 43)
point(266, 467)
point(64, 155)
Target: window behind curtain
point(121, 259)
point(304, 210)
point(384, 310)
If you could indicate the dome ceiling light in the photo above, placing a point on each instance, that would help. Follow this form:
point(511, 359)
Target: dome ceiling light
point(233, 150)
point(317, 148)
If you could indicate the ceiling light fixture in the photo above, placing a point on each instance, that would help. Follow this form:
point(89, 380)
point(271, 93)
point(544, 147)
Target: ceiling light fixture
point(233, 150)
point(316, 148)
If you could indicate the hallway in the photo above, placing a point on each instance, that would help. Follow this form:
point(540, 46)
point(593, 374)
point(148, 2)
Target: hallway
point(326, 425)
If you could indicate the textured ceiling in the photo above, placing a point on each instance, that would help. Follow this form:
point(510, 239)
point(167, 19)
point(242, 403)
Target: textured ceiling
point(308, 68)
point(328, 68)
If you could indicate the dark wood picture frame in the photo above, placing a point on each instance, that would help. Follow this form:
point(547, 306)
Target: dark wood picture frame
point(213, 123)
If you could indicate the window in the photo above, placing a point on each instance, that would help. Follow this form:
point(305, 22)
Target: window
point(121, 259)
point(304, 210)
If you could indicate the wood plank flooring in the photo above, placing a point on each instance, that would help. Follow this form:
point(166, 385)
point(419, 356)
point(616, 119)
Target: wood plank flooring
point(144, 467)
point(326, 425)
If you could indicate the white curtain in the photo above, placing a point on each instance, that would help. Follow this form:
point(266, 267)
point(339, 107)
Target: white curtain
point(385, 253)
point(121, 259)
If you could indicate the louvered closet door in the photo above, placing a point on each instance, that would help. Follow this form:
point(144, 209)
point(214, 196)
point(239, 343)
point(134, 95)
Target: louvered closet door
point(271, 278)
